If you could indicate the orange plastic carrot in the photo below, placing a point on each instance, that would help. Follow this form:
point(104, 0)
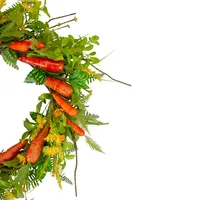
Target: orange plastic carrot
point(59, 86)
point(12, 151)
point(24, 46)
point(77, 129)
point(65, 105)
point(44, 63)
point(35, 148)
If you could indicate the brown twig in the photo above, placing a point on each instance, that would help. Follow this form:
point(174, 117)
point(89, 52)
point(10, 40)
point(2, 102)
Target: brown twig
point(76, 165)
point(110, 76)
point(55, 18)
point(59, 24)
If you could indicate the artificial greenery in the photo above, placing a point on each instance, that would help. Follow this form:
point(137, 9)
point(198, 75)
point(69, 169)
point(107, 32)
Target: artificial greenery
point(21, 22)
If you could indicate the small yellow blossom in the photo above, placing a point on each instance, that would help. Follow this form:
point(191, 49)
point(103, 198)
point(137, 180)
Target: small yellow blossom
point(57, 113)
point(56, 170)
point(75, 19)
point(2, 3)
point(41, 121)
point(21, 159)
point(9, 195)
point(89, 71)
point(58, 139)
point(51, 151)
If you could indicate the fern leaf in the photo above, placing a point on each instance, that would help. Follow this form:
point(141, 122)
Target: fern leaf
point(65, 179)
point(10, 57)
point(93, 145)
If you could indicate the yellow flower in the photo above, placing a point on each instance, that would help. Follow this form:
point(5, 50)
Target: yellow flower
point(41, 121)
point(56, 172)
point(9, 195)
point(21, 159)
point(2, 3)
point(57, 113)
point(51, 151)
point(58, 139)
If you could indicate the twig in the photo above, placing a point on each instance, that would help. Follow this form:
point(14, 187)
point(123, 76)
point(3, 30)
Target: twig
point(110, 76)
point(59, 24)
point(67, 26)
point(76, 165)
point(61, 17)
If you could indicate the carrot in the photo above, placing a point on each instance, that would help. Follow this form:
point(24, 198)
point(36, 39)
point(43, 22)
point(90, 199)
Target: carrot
point(65, 105)
point(34, 151)
point(40, 45)
point(44, 63)
point(77, 129)
point(59, 86)
point(24, 46)
point(12, 151)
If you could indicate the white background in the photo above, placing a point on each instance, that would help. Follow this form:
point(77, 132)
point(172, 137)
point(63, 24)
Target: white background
point(152, 142)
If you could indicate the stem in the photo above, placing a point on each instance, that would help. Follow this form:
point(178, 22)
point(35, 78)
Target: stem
point(110, 76)
point(59, 24)
point(76, 165)
point(61, 17)
point(67, 26)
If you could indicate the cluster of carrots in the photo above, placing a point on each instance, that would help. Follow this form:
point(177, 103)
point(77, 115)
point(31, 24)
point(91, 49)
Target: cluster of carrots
point(60, 89)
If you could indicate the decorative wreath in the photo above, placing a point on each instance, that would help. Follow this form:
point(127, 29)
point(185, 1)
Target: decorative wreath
point(66, 66)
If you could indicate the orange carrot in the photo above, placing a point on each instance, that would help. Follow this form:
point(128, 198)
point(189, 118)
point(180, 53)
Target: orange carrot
point(44, 63)
point(24, 46)
point(40, 45)
point(35, 148)
point(65, 105)
point(12, 151)
point(59, 86)
point(77, 129)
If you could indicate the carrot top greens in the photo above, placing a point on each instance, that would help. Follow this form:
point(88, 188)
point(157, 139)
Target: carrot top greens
point(66, 66)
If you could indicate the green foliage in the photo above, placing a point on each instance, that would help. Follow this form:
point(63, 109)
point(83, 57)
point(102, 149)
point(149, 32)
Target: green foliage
point(10, 57)
point(93, 145)
point(21, 22)
point(37, 76)
point(65, 178)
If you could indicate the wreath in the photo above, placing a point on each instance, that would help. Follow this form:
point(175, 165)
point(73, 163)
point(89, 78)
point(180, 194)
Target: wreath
point(66, 66)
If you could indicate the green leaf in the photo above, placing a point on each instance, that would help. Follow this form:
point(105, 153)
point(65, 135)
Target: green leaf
point(94, 60)
point(45, 10)
point(89, 47)
point(10, 57)
point(92, 53)
point(44, 96)
point(19, 193)
point(37, 76)
point(71, 38)
point(93, 145)
point(38, 107)
point(28, 125)
point(94, 39)
point(12, 163)
point(69, 157)
point(64, 41)
point(22, 174)
point(5, 184)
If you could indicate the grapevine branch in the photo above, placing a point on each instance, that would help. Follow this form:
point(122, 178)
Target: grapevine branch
point(76, 165)
point(55, 18)
point(110, 76)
